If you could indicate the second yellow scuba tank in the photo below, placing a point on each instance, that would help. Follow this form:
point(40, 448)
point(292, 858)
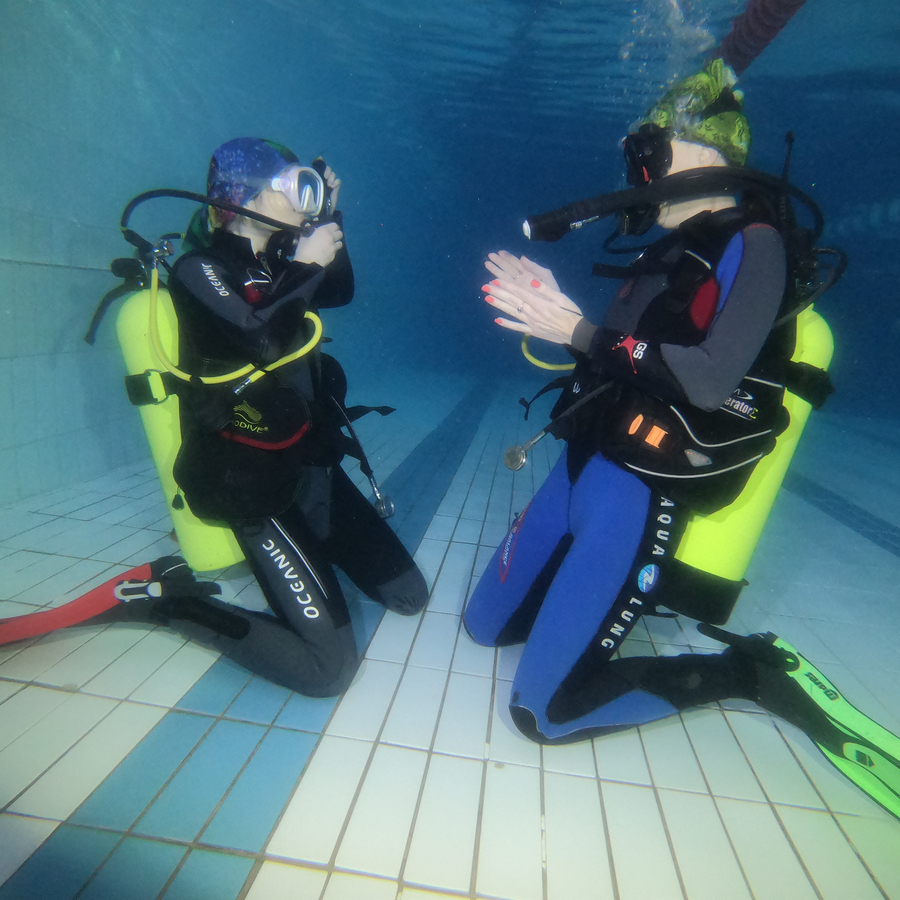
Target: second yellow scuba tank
point(723, 542)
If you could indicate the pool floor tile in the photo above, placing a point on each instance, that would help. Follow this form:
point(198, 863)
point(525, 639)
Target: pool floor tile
point(245, 797)
point(698, 835)
point(138, 869)
point(306, 713)
point(217, 689)
point(637, 834)
point(578, 863)
point(279, 881)
point(63, 787)
point(247, 815)
point(210, 876)
point(62, 865)
point(509, 849)
point(20, 838)
point(378, 829)
point(184, 806)
point(128, 791)
point(312, 823)
point(442, 851)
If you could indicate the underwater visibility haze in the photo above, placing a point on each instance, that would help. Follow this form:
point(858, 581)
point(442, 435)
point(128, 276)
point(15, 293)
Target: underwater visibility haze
point(448, 123)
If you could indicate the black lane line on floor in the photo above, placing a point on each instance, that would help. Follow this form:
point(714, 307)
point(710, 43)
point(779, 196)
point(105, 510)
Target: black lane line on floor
point(419, 483)
point(872, 527)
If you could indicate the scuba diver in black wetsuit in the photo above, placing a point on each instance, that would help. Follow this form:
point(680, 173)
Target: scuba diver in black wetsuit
point(673, 402)
point(243, 297)
point(261, 417)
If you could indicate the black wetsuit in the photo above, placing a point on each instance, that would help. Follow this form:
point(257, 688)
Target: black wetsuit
point(235, 307)
point(584, 560)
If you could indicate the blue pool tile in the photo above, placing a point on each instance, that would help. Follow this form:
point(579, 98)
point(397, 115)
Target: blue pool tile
point(137, 870)
point(209, 876)
point(213, 693)
point(307, 713)
point(260, 701)
point(61, 866)
point(191, 796)
point(127, 792)
point(248, 815)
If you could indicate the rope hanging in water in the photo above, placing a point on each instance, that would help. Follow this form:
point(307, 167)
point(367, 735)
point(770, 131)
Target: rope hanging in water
point(753, 31)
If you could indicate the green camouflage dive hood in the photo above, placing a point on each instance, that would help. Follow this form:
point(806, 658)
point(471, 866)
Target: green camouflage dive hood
point(705, 109)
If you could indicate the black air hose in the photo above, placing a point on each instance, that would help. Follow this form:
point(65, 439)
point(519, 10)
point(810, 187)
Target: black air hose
point(753, 30)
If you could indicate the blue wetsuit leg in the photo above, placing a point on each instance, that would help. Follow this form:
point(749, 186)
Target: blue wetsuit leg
point(607, 512)
point(519, 559)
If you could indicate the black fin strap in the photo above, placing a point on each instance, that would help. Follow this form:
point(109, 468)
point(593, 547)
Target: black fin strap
point(760, 650)
point(180, 596)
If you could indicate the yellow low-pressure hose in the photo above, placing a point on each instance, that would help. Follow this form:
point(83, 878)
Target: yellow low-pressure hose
point(249, 370)
point(553, 367)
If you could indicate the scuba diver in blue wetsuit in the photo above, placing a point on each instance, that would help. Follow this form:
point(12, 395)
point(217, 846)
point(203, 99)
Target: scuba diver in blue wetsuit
point(673, 402)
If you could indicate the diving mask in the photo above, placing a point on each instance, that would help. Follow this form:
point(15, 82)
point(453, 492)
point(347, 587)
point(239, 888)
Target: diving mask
point(304, 187)
point(648, 157)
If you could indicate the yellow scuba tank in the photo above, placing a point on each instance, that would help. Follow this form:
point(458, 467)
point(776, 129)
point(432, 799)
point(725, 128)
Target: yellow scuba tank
point(723, 542)
point(204, 545)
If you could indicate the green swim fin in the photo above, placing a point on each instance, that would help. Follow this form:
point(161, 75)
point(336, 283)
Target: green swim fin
point(794, 689)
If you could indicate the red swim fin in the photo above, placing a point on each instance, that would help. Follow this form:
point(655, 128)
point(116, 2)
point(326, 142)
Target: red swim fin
point(141, 581)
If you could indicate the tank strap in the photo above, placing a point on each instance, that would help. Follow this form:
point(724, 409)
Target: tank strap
point(808, 382)
point(150, 387)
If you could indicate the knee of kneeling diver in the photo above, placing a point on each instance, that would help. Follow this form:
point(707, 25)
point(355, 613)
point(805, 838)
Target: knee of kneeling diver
point(333, 683)
point(474, 633)
point(405, 595)
point(525, 720)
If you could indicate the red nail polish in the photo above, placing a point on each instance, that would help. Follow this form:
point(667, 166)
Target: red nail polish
point(486, 288)
point(489, 299)
point(535, 283)
point(496, 281)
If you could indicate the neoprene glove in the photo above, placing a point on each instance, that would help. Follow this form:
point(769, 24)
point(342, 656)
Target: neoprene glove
point(321, 246)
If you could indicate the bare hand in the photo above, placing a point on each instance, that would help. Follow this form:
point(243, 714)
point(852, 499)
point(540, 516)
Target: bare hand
point(321, 246)
point(541, 310)
point(334, 184)
point(510, 268)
